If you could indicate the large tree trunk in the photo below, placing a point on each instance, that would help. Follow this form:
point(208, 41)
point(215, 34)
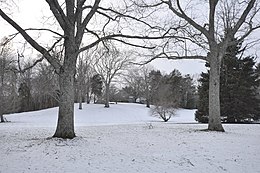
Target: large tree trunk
point(107, 96)
point(214, 93)
point(65, 125)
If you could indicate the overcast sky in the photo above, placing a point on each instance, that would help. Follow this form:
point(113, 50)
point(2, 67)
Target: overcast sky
point(29, 14)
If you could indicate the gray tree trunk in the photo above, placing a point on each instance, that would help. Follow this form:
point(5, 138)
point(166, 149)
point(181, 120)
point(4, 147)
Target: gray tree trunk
point(147, 97)
point(88, 95)
point(65, 124)
point(2, 118)
point(1, 111)
point(214, 91)
point(80, 98)
point(107, 96)
point(1, 98)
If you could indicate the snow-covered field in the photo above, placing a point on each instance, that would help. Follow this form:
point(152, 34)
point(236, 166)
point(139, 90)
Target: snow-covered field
point(125, 138)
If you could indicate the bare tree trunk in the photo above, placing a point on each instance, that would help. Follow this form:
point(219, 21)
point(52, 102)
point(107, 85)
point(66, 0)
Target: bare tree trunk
point(1, 99)
point(88, 95)
point(88, 98)
point(1, 111)
point(2, 118)
point(94, 99)
point(80, 98)
point(147, 97)
point(65, 125)
point(214, 93)
point(107, 96)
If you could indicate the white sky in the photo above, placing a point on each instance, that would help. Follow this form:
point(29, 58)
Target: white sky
point(29, 14)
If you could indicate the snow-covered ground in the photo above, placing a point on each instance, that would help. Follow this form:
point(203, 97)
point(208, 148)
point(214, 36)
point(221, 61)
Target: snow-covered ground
point(125, 138)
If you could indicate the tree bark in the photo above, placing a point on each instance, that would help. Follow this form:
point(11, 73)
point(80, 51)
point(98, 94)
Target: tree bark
point(65, 124)
point(214, 90)
point(107, 96)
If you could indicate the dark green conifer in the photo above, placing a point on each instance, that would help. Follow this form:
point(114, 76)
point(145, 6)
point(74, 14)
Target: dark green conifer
point(238, 89)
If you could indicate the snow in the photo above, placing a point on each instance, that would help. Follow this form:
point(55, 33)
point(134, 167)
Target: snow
point(125, 138)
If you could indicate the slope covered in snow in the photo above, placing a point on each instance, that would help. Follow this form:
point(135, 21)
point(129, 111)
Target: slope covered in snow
point(96, 114)
point(124, 138)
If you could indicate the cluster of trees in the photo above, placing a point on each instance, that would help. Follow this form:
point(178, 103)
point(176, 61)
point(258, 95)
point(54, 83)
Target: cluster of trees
point(134, 23)
point(154, 87)
point(23, 88)
point(37, 88)
point(27, 87)
point(166, 92)
point(239, 88)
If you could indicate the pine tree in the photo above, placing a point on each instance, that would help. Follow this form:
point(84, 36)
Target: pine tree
point(96, 86)
point(238, 89)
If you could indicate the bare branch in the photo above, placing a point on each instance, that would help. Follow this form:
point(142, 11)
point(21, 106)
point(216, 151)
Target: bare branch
point(20, 70)
point(243, 16)
point(58, 13)
point(81, 27)
point(114, 36)
point(124, 15)
point(183, 15)
point(164, 55)
point(31, 41)
point(133, 45)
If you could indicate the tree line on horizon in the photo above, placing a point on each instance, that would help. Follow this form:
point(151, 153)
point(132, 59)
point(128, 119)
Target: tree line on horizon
point(37, 88)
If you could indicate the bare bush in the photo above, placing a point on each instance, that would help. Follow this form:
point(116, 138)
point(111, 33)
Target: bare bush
point(163, 111)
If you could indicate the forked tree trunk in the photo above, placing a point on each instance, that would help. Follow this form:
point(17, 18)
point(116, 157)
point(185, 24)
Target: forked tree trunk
point(65, 125)
point(214, 91)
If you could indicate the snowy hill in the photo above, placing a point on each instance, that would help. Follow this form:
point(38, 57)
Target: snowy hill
point(96, 114)
point(125, 138)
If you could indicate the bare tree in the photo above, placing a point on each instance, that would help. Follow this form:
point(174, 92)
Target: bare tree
point(166, 104)
point(83, 77)
point(145, 73)
point(134, 83)
point(75, 19)
point(224, 21)
point(109, 63)
point(7, 82)
point(138, 82)
point(45, 89)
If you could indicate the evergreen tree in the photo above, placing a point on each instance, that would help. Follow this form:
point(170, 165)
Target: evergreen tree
point(96, 86)
point(238, 89)
point(25, 97)
point(155, 80)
